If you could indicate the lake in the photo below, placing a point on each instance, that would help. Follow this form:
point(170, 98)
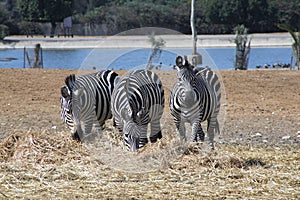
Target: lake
point(216, 58)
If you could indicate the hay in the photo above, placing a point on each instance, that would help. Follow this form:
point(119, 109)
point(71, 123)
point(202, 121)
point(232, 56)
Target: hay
point(50, 164)
point(44, 147)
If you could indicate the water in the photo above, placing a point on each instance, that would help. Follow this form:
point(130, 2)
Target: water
point(218, 58)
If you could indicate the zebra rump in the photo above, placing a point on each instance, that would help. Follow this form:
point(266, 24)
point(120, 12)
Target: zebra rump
point(137, 101)
point(86, 100)
point(195, 98)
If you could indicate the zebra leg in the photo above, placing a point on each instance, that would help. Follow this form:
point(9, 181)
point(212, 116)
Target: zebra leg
point(90, 129)
point(212, 128)
point(155, 131)
point(197, 132)
point(181, 129)
point(143, 139)
point(75, 136)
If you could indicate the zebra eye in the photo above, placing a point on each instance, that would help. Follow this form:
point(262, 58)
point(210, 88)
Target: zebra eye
point(78, 92)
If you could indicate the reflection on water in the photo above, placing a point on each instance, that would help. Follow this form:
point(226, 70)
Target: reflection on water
point(219, 58)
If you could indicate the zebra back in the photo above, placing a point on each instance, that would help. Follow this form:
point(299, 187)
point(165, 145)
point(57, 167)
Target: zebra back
point(90, 97)
point(213, 82)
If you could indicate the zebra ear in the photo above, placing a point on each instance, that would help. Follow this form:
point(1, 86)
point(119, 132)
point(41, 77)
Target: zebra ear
point(179, 61)
point(186, 62)
point(125, 114)
point(70, 81)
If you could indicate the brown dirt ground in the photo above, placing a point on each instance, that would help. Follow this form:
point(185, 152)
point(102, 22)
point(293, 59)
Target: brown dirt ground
point(262, 106)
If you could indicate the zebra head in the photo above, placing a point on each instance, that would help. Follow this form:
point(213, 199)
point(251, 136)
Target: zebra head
point(184, 68)
point(65, 102)
point(133, 127)
point(66, 108)
point(78, 104)
point(186, 79)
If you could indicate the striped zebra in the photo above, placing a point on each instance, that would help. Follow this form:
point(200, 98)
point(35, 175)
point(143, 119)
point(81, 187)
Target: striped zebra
point(86, 100)
point(195, 98)
point(137, 101)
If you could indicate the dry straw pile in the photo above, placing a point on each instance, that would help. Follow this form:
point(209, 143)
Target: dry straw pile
point(50, 165)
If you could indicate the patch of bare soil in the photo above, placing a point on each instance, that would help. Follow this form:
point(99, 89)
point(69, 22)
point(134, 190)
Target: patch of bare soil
point(262, 106)
point(256, 156)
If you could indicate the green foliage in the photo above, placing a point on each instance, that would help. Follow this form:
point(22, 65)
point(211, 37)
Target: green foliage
point(296, 44)
point(213, 16)
point(255, 14)
point(29, 10)
point(4, 31)
point(55, 11)
point(30, 28)
point(44, 10)
point(287, 12)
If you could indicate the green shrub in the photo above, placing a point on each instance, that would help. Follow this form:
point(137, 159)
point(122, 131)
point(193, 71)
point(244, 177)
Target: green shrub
point(30, 28)
point(4, 31)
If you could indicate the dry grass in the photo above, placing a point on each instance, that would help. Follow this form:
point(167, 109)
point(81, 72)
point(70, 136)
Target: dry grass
point(50, 165)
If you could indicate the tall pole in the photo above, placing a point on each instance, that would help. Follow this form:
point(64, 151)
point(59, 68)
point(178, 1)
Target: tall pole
point(194, 33)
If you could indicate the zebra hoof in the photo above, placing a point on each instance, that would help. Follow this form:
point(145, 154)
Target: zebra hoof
point(75, 136)
point(154, 139)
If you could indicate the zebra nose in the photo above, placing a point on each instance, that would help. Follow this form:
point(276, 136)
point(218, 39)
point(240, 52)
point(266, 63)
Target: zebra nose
point(134, 144)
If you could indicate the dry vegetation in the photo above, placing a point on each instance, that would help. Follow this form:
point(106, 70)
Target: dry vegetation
point(256, 157)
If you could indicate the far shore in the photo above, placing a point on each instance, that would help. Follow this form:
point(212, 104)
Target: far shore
point(142, 41)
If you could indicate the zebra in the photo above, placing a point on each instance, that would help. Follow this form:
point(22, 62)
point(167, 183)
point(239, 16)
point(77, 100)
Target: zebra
point(195, 97)
point(85, 100)
point(137, 101)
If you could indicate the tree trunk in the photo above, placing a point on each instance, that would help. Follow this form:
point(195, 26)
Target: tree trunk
point(53, 27)
point(194, 33)
point(37, 49)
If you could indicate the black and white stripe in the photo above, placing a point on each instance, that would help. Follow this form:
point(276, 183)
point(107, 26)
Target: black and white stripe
point(86, 101)
point(195, 98)
point(137, 101)
point(66, 108)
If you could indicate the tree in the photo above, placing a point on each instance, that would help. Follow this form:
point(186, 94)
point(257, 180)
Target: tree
point(296, 44)
point(45, 11)
point(193, 28)
point(287, 12)
point(242, 47)
point(157, 45)
point(255, 14)
point(4, 30)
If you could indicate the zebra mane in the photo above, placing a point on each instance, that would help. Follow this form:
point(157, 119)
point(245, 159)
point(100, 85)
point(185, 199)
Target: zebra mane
point(70, 81)
point(127, 87)
point(127, 91)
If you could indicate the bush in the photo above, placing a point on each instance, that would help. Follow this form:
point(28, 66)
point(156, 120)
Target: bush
point(30, 28)
point(4, 31)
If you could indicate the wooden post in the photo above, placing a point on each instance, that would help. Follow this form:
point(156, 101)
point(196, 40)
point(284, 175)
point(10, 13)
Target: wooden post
point(24, 54)
point(36, 63)
point(42, 61)
point(195, 59)
point(194, 33)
